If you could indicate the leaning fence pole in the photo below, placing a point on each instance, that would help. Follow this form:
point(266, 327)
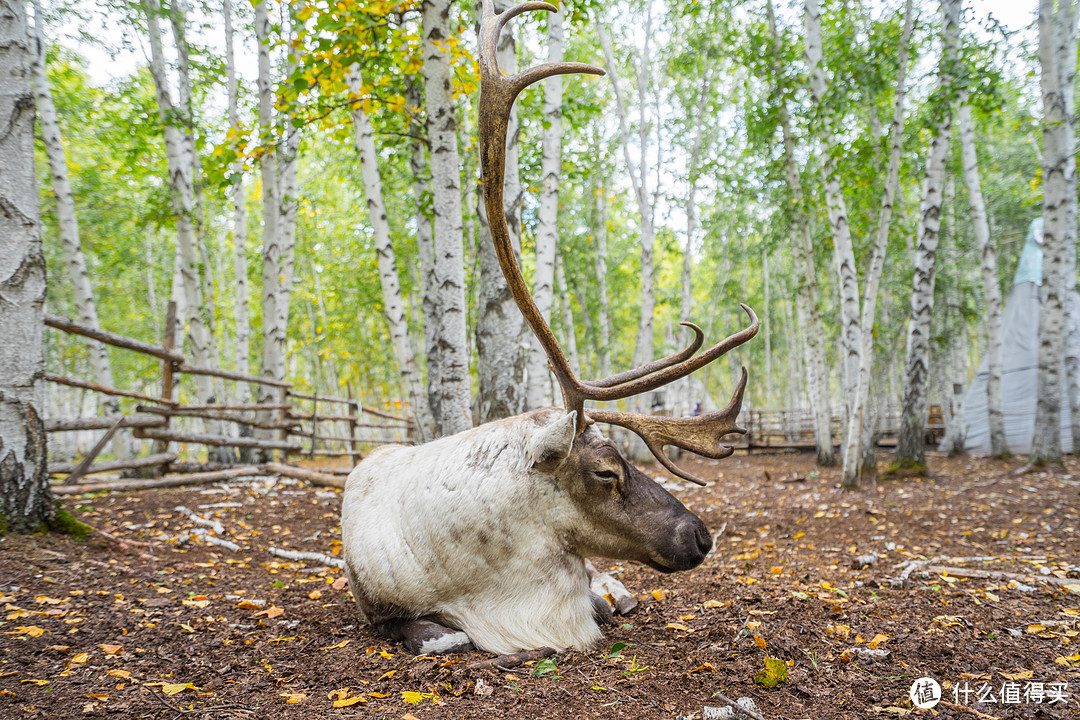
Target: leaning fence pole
point(167, 379)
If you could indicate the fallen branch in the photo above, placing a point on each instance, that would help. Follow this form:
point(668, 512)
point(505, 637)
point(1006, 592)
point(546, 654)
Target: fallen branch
point(312, 476)
point(207, 537)
point(199, 520)
point(998, 575)
point(163, 482)
point(509, 661)
point(313, 556)
point(110, 465)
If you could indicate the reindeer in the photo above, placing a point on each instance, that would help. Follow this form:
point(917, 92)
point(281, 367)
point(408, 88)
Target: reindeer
point(479, 539)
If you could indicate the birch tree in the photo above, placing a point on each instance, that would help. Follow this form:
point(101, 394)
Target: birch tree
point(547, 233)
point(239, 218)
point(1057, 65)
point(603, 317)
point(911, 447)
point(808, 314)
point(858, 431)
point(504, 386)
point(448, 361)
point(25, 499)
point(843, 249)
point(68, 223)
point(393, 303)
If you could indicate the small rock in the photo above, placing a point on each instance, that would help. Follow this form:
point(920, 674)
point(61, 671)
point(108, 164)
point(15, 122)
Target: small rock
point(864, 561)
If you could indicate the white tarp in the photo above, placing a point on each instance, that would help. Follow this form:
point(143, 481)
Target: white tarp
point(1019, 378)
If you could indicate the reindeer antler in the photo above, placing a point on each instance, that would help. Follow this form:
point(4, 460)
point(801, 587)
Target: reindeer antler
point(700, 434)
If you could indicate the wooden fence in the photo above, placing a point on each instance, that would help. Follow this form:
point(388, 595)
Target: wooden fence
point(294, 424)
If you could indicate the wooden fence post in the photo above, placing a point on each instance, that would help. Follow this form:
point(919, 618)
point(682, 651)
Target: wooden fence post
point(314, 424)
point(169, 342)
point(353, 414)
point(283, 415)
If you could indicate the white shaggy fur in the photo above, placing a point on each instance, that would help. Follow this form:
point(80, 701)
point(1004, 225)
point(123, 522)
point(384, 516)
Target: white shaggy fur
point(467, 532)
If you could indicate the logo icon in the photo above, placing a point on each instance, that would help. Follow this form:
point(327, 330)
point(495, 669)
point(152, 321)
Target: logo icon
point(925, 693)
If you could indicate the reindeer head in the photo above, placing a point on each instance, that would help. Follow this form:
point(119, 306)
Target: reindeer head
point(700, 434)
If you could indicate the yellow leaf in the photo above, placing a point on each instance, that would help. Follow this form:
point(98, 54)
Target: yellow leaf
point(378, 695)
point(314, 595)
point(712, 604)
point(176, 688)
point(703, 666)
point(270, 613)
point(346, 702)
point(31, 630)
point(657, 594)
point(98, 696)
point(387, 675)
point(878, 639)
point(192, 602)
point(293, 698)
point(80, 658)
point(112, 649)
point(248, 605)
point(1073, 588)
point(1035, 629)
point(759, 641)
point(1022, 675)
point(46, 600)
point(17, 612)
point(341, 644)
point(119, 673)
point(39, 683)
point(414, 697)
point(775, 673)
point(338, 694)
point(798, 535)
point(687, 617)
point(679, 626)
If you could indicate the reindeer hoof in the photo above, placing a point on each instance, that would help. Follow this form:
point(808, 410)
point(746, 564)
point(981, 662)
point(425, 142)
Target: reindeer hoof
point(602, 610)
point(423, 637)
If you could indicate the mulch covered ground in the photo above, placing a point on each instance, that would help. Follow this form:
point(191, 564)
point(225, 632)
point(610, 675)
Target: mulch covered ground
point(91, 629)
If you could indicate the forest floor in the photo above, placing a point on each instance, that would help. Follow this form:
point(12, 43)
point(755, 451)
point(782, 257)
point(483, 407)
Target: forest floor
point(92, 630)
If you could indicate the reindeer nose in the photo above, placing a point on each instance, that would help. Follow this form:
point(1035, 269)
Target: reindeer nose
point(704, 539)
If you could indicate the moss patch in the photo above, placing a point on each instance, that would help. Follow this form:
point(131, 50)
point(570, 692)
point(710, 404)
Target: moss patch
point(906, 469)
point(66, 524)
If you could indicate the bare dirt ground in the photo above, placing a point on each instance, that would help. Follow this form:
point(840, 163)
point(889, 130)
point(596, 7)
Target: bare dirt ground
point(91, 629)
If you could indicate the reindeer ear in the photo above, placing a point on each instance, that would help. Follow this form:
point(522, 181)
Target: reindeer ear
point(550, 445)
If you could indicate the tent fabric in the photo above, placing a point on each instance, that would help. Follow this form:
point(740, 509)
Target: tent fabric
point(1020, 375)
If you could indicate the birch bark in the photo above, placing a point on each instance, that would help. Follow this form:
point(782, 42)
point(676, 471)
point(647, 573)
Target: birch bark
point(643, 348)
point(911, 445)
point(808, 314)
point(450, 356)
point(953, 361)
point(393, 302)
point(505, 387)
point(843, 249)
point(603, 317)
point(25, 499)
point(68, 224)
point(179, 153)
point(547, 234)
point(856, 431)
point(1057, 63)
point(239, 217)
point(567, 315)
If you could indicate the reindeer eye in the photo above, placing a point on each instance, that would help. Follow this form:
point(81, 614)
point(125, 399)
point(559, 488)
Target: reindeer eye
point(607, 474)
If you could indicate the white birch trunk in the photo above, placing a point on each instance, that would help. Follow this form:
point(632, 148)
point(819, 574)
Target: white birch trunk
point(843, 248)
point(1057, 61)
point(809, 316)
point(25, 500)
point(504, 385)
point(991, 289)
point(954, 365)
point(547, 233)
point(603, 317)
point(425, 242)
point(911, 445)
point(856, 429)
point(68, 224)
point(288, 161)
point(393, 302)
point(450, 349)
point(179, 153)
point(643, 347)
point(569, 337)
point(239, 217)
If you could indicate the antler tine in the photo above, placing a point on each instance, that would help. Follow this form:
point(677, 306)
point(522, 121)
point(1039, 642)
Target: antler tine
point(700, 434)
point(497, 95)
point(655, 365)
point(662, 375)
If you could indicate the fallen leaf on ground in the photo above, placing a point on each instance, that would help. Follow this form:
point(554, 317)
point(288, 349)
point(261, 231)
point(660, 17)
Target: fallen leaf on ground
point(31, 630)
point(1022, 675)
point(293, 698)
point(679, 626)
point(341, 644)
point(270, 613)
point(415, 697)
point(176, 688)
point(36, 682)
point(346, 702)
point(112, 649)
point(775, 673)
point(80, 658)
point(248, 605)
point(340, 583)
point(878, 639)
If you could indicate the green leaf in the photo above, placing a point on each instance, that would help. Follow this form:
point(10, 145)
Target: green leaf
point(278, 583)
point(617, 648)
point(775, 673)
point(545, 667)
